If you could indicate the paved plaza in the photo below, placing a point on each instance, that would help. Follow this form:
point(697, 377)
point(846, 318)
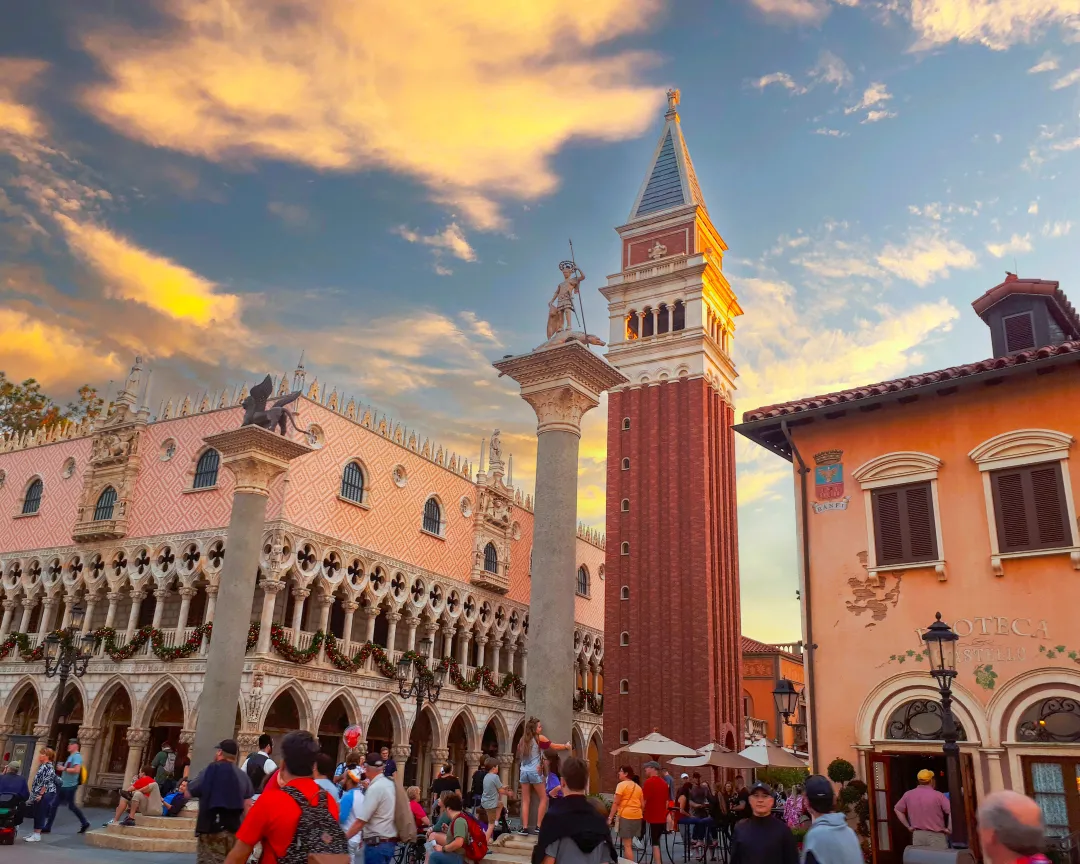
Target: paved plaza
point(65, 846)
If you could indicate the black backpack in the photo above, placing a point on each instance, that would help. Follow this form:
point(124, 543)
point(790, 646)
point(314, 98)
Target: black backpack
point(256, 770)
point(317, 832)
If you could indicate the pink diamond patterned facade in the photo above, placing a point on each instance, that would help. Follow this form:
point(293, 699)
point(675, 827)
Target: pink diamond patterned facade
point(364, 570)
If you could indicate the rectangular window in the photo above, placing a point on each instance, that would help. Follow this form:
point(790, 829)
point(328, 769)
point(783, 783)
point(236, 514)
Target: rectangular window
point(904, 527)
point(1029, 508)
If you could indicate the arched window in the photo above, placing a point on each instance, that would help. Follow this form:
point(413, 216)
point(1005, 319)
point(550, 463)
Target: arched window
point(625, 424)
point(624, 638)
point(352, 483)
point(626, 464)
point(647, 323)
point(624, 686)
point(625, 505)
point(631, 325)
point(678, 316)
point(919, 720)
point(491, 558)
point(662, 320)
point(206, 470)
point(583, 581)
point(32, 500)
point(432, 516)
point(624, 592)
point(105, 502)
point(625, 548)
point(624, 736)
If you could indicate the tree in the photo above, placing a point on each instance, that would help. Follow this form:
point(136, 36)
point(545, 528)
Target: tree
point(841, 771)
point(88, 407)
point(25, 408)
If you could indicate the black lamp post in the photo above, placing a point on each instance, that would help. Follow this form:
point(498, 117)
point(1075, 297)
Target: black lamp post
point(425, 684)
point(64, 656)
point(786, 699)
point(940, 641)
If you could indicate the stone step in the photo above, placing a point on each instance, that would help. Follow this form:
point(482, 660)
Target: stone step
point(140, 830)
point(125, 842)
point(172, 823)
point(508, 856)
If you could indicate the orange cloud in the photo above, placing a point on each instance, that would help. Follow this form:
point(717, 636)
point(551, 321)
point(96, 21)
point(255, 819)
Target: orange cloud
point(131, 273)
point(994, 23)
point(54, 355)
point(471, 98)
point(16, 76)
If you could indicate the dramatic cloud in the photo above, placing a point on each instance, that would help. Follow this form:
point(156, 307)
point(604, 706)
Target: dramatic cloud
point(470, 99)
point(451, 240)
point(1014, 244)
point(135, 274)
point(54, 355)
point(996, 24)
point(925, 258)
point(17, 77)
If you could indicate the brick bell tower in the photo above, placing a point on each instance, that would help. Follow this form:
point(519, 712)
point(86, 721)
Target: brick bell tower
point(671, 616)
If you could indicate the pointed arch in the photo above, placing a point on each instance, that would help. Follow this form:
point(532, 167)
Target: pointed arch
point(303, 705)
point(352, 708)
point(196, 704)
point(96, 715)
point(144, 711)
point(18, 692)
point(397, 719)
point(74, 685)
point(502, 732)
point(472, 730)
point(577, 739)
point(438, 728)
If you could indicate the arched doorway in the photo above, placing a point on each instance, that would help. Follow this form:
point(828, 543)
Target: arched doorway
point(335, 720)
point(115, 720)
point(283, 716)
point(166, 720)
point(457, 742)
point(380, 731)
point(593, 758)
point(489, 744)
point(421, 740)
point(578, 742)
point(71, 718)
point(26, 713)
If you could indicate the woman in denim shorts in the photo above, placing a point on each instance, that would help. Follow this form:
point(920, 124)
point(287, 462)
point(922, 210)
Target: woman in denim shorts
point(530, 750)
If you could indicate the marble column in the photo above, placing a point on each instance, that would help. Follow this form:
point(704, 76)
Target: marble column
point(9, 611)
point(463, 648)
point(28, 605)
point(993, 763)
point(208, 618)
point(271, 589)
point(160, 596)
point(255, 457)
point(481, 641)
point(110, 614)
point(496, 656)
point(370, 615)
point(473, 760)
point(511, 652)
point(300, 596)
point(447, 642)
point(392, 619)
point(506, 762)
point(561, 382)
point(5, 734)
point(137, 739)
point(186, 593)
point(133, 613)
point(69, 601)
point(91, 607)
point(524, 662)
point(325, 602)
point(411, 623)
point(346, 635)
point(88, 744)
point(47, 612)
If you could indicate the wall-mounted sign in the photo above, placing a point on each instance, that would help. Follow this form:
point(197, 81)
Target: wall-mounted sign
point(822, 506)
point(829, 476)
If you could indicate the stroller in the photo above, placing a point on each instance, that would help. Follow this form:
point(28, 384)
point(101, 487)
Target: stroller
point(11, 816)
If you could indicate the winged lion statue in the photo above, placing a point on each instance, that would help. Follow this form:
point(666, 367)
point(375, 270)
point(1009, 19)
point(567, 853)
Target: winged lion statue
point(277, 415)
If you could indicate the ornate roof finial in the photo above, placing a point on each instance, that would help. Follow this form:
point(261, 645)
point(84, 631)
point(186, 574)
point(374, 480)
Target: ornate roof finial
point(299, 375)
point(673, 98)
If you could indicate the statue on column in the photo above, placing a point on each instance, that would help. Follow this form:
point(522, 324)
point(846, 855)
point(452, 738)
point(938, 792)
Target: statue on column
point(560, 323)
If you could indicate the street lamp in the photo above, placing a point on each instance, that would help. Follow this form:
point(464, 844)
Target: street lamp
point(940, 641)
point(63, 656)
point(425, 684)
point(786, 698)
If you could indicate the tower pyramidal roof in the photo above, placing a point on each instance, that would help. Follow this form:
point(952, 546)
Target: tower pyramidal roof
point(670, 181)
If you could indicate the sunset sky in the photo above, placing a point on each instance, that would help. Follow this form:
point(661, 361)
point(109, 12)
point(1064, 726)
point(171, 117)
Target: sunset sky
point(389, 186)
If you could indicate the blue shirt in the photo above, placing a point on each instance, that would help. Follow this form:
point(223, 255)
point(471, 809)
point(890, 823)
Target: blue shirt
point(70, 779)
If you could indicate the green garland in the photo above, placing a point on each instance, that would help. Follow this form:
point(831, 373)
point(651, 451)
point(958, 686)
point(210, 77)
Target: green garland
point(156, 638)
point(291, 653)
point(584, 699)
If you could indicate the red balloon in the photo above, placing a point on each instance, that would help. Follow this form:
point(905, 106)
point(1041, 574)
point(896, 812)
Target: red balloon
point(352, 736)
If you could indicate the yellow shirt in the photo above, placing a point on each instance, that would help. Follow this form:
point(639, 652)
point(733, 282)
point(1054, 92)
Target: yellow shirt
point(631, 800)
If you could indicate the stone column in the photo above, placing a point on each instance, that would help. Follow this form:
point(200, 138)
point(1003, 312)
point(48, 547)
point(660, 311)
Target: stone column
point(463, 648)
point(993, 762)
point(255, 457)
point(524, 662)
point(160, 594)
point(137, 740)
point(133, 613)
point(346, 637)
point(28, 605)
point(481, 641)
point(430, 628)
point(411, 623)
point(300, 596)
point(88, 743)
point(448, 641)
point(69, 601)
point(511, 652)
point(392, 619)
point(91, 607)
point(208, 618)
point(496, 656)
point(561, 382)
point(186, 594)
point(271, 588)
point(247, 742)
point(506, 762)
point(9, 611)
point(473, 760)
point(325, 602)
point(370, 614)
point(47, 612)
point(110, 615)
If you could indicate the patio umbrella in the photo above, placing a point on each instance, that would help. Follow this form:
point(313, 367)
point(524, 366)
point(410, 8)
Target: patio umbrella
point(654, 744)
point(767, 754)
point(715, 756)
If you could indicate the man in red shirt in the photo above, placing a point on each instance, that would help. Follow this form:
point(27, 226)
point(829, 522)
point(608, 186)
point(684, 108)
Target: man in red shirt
point(656, 806)
point(137, 791)
point(273, 818)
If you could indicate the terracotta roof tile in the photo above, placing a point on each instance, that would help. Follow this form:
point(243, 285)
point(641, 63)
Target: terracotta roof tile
point(1015, 285)
point(844, 397)
point(752, 646)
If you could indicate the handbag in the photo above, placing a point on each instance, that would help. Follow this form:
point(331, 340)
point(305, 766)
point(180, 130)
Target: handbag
point(404, 822)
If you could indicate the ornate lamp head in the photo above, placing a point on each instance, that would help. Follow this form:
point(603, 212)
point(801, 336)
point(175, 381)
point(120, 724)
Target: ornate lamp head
point(940, 640)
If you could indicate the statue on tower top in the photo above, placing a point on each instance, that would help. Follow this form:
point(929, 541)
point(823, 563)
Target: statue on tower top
point(673, 99)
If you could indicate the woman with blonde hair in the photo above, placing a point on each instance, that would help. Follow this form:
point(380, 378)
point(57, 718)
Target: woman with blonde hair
point(422, 820)
point(43, 792)
point(530, 749)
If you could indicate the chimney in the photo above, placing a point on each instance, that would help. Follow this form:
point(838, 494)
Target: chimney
point(1026, 314)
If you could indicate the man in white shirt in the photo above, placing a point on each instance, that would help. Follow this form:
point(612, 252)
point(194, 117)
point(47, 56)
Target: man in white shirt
point(376, 816)
point(259, 766)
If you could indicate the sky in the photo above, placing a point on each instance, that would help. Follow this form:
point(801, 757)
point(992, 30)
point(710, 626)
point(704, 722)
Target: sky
point(389, 187)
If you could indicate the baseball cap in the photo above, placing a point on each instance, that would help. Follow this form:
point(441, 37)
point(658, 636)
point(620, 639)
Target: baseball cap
point(373, 760)
point(652, 764)
point(818, 788)
point(925, 775)
point(763, 787)
point(229, 746)
point(684, 776)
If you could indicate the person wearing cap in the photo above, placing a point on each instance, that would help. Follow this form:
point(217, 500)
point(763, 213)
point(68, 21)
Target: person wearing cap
point(761, 838)
point(70, 778)
point(376, 815)
point(1011, 829)
point(656, 806)
point(830, 840)
point(224, 793)
point(926, 813)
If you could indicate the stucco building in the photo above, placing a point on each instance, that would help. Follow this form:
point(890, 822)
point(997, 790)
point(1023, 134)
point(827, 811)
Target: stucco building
point(377, 537)
point(952, 492)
